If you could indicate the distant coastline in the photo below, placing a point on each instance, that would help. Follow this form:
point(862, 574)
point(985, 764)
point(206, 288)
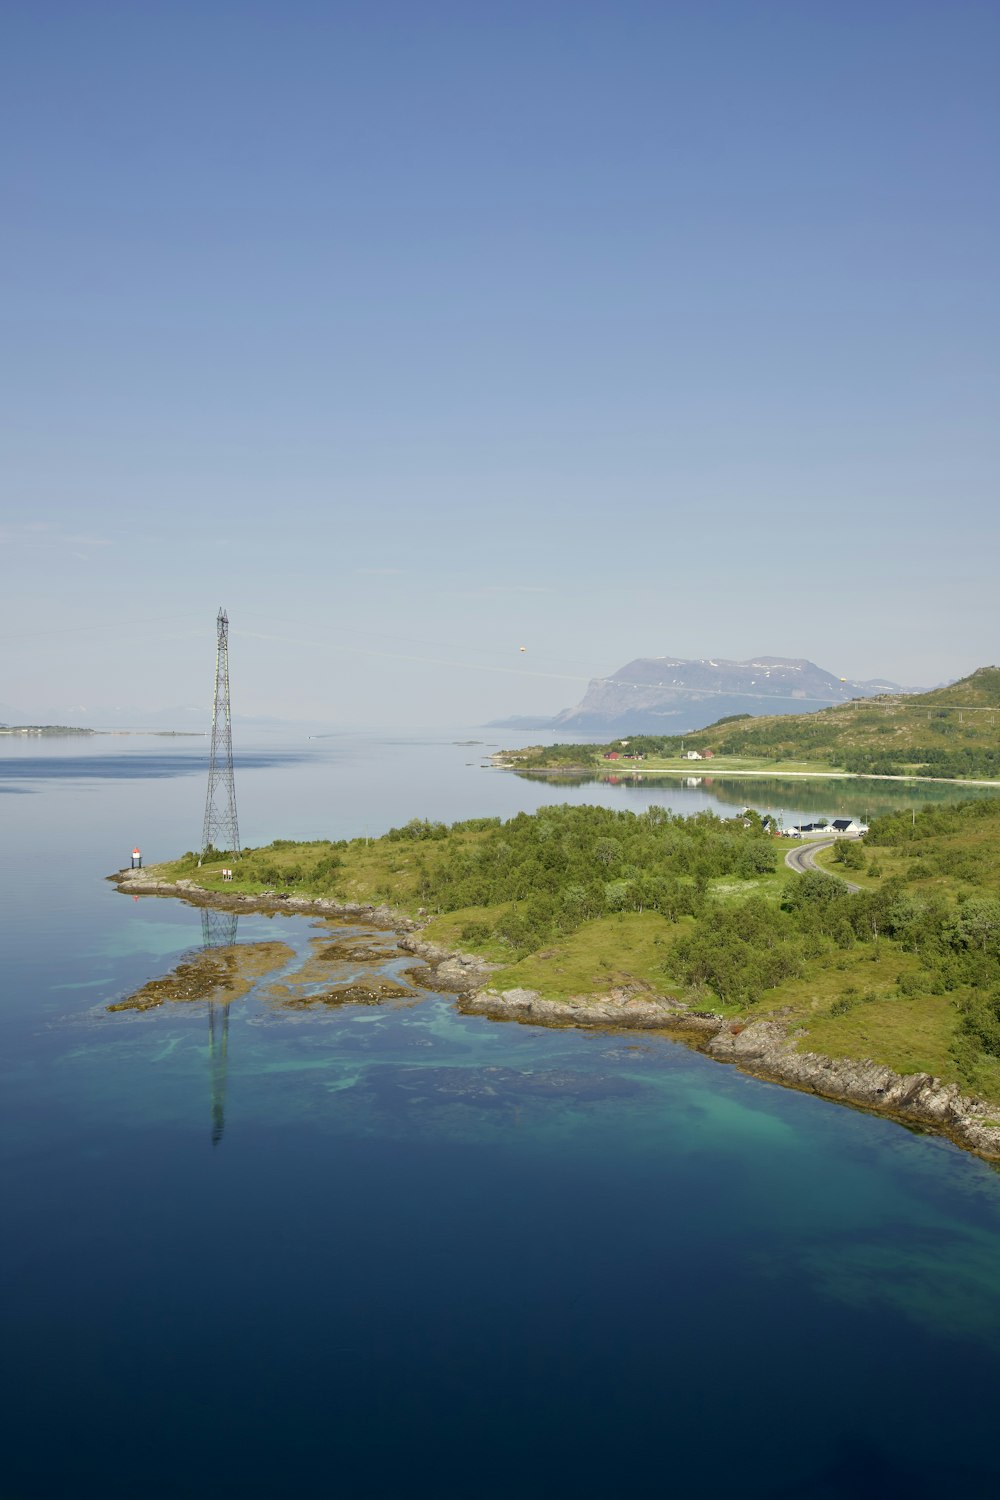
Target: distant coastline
point(43, 731)
point(54, 731)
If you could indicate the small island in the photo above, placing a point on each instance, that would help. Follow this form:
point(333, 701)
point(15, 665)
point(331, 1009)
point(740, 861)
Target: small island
point(880, 988)
point(43, 731)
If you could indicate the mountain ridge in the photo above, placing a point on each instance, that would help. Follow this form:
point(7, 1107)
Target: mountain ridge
point(671, 694)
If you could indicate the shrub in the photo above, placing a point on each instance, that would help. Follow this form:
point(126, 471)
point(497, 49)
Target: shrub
point(850, 853)
point(843, 1004)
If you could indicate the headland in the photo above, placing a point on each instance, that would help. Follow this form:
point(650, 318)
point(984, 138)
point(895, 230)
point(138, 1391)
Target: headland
point(886, 998)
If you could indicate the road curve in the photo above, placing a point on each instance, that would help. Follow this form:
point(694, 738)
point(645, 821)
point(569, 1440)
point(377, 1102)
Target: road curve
point(803, 858)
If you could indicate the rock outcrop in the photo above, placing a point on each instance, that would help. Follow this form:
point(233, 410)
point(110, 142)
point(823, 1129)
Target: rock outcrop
point(458, 973)
point(631, 1009)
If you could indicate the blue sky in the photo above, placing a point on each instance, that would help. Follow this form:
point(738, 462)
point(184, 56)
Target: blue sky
point(417, 332)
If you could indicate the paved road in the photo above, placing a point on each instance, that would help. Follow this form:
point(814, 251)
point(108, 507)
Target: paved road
point(803, 858)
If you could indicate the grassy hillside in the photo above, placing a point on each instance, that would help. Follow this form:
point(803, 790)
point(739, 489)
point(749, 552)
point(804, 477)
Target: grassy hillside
point(577, 900)
point(950, 732)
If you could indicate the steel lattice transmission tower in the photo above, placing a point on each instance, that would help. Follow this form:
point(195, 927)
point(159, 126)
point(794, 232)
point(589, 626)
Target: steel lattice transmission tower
point(221, 830)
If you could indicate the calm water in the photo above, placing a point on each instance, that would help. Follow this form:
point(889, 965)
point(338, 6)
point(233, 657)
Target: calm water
point(428, 1252)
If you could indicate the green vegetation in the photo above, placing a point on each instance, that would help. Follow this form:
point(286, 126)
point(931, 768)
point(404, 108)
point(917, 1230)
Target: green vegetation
point(952, 732)
point(578, 900)
point(849, 854)
point(628, 950)
point(532, 879)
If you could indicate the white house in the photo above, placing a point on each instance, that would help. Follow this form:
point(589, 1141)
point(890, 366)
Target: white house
point(692, 755)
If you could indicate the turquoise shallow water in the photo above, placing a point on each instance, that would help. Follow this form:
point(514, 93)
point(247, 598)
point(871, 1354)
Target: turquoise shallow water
point(427, 1251)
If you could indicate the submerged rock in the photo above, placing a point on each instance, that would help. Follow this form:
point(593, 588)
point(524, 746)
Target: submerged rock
point(218, 974)
point(492, 1087)
point(355, 951)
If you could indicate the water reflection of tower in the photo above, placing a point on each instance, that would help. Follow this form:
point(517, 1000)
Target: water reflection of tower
point(218, 930)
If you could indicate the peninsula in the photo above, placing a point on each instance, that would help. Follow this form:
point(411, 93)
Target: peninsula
point(883, 992)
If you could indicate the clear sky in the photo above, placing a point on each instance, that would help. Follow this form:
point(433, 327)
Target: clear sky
point(416, 332)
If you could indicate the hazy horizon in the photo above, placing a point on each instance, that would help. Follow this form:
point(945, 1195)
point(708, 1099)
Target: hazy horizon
point(187, 716)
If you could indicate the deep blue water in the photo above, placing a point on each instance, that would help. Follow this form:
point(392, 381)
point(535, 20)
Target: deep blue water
point(428, 1252)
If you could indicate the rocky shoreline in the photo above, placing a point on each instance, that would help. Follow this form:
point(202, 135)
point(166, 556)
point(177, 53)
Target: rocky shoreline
point(141, 883)
point(764, 1049)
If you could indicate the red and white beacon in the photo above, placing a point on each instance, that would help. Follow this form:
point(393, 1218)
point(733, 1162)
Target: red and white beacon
point(136, 860)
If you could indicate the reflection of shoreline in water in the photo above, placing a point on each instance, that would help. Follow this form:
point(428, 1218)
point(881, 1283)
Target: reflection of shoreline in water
point(861, 795)
point(218, 930)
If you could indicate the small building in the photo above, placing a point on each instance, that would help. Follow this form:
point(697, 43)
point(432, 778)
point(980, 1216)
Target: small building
point(692, 755)
point(848, 828)
point(612, 755)
point(708, 755)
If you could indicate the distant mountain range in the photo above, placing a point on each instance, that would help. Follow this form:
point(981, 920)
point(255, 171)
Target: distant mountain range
point(669, 695)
